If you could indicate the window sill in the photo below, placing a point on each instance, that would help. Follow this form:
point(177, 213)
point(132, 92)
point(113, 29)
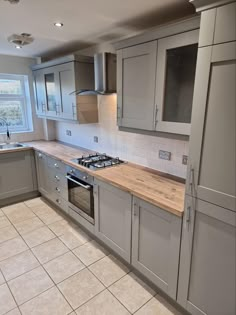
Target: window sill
point(16, 132)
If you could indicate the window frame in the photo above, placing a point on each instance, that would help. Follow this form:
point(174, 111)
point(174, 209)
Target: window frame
point(25, 100)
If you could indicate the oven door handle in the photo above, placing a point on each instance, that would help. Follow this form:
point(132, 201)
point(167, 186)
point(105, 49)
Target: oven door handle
point(78, 183)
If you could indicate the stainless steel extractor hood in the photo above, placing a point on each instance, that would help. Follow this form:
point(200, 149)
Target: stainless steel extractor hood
point(104, 74)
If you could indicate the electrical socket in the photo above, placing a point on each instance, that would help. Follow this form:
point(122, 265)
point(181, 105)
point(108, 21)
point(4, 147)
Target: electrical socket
point(95, 139)
point(68, 132)
point(164, 155)
point(184, 159)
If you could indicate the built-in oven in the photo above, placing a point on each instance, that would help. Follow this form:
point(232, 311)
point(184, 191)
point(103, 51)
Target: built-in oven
point(80, 193)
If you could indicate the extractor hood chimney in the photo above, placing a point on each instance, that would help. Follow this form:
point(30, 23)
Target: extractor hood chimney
point(104, 74)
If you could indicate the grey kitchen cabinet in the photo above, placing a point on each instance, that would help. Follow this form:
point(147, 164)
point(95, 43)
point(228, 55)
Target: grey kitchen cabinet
point(176, 65)
point(155, 83)
point(42, 173)
point(55, 84)
point(208, 259)
point(39, 91)
point(156, 236)
point(212, 168)
point(218, 25)
point(17, 174)
point(113, 218)
point(136, 76)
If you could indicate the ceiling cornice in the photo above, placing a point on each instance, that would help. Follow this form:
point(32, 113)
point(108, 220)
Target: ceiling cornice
point(202, 5)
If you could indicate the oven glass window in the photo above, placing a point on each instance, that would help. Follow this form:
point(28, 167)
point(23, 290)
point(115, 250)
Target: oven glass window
point(81, 197)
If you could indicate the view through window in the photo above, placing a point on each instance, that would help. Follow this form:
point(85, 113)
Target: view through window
point(15, 102)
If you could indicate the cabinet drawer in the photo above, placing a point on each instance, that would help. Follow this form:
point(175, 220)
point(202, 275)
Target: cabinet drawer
point(60, 202)
point(57, 177)
point(59, 190)
point(57, 165)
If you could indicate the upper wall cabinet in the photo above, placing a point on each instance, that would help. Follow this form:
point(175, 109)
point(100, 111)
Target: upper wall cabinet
point(55, 81)
point(155, 80)
point(176, 64)
point(136, 86)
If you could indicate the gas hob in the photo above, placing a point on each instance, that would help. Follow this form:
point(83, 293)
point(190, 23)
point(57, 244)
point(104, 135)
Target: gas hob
point(97, 161)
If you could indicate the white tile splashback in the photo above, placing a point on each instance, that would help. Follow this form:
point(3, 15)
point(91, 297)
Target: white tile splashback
point(137, 148)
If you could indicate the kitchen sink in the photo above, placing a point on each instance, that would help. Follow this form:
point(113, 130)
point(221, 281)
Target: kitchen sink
point(6, 146)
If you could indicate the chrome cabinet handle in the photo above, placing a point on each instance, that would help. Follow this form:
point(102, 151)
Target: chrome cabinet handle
point(58, 189)
point(57, 177)
point(58, 201)
point(156, 112)
point(188, 214)
point(40, 155)
point(56, 165)
point(74, 109)
point(191, 179)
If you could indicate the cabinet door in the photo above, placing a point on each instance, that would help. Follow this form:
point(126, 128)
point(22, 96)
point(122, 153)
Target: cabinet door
point(52, 91)
point(66, 84)
point(42, 173)
point(176, 64)
point(208, 259)
point(136, 75)
point(39, 90)
point(17, 174)
point(212, 167)
point(113, 218)
point(156, 244)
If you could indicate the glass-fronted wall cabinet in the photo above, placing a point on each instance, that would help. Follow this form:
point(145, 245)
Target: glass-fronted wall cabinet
point(176, 64)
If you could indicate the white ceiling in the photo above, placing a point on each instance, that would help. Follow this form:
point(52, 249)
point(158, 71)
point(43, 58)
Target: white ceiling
point(85, 22)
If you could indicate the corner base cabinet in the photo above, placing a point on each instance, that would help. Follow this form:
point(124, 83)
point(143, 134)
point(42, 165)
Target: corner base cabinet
point(17, 174)
point(207, 277)
point(113, 218)
point(156, 243)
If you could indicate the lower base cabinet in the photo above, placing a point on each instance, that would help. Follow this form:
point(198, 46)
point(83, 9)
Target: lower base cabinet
point(207, 278)
point(113, 218)
point(17, 174)
point(156, 236)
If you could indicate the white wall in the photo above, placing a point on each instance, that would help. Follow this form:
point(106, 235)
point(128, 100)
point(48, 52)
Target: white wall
point(21, 65)
point(137, 148)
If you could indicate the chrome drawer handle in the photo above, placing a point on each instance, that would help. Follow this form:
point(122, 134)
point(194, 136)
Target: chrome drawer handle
point(58, 189)
point(58, 201)
point(57, 178)
point(56, 165)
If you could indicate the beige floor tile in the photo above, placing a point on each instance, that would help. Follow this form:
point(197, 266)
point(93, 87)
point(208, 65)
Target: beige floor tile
point(157, 306)
point(12, 247)
point(42, 209)
point(38, 236)
point(4, 221)
point(75, 238)
point(102, 304)
point(132, 292)
point(7, 233)
point(2, 280)
point(49, 218)
point(7, 302)
point(14, 312)
point(18, 212)
point(18, 264)
point(108, 270)
point(49, 250)
point(1, 213)
point(34, 203)
point(29, 225)
point(62, 227)
point(80, 288)
point(30, 285)
point(90, 252)
point(50, 302)
point(63, 267)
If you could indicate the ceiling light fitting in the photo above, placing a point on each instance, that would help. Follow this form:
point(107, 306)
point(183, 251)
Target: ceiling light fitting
point(20, 40)
point(58, 24)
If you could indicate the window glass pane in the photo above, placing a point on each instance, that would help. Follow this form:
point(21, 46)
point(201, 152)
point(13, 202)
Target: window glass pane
point(180, 75)
point(10, 87)
point(12, 112)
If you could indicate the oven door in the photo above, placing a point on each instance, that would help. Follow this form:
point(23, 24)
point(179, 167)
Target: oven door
point(80, 196)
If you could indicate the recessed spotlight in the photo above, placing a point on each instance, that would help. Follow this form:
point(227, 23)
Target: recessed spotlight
point(18, 47)
point(58, 24)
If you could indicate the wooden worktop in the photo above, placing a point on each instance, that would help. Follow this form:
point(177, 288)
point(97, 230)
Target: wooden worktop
point(148, 185)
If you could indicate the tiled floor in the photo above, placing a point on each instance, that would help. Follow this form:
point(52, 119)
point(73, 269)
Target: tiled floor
point(49, 266)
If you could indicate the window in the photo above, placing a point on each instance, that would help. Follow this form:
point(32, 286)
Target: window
point(15, 106)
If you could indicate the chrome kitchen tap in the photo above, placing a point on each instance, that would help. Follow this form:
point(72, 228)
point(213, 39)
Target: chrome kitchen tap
point(2, 123)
